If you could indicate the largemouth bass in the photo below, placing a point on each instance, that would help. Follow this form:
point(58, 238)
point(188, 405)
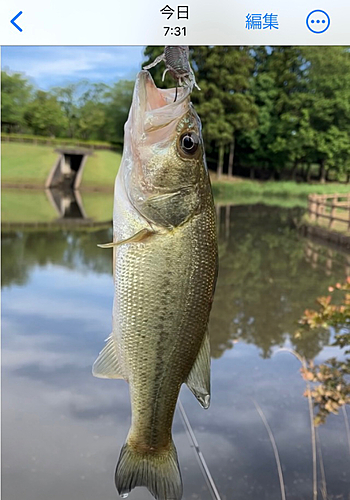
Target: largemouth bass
point(165, 272)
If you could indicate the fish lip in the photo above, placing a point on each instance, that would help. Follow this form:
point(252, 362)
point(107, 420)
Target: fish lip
point(146, 91)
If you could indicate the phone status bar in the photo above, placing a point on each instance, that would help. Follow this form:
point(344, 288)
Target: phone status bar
point(177, 22)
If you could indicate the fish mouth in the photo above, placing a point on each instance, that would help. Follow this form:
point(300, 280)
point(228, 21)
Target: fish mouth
point(151, 99)
point(155, 113)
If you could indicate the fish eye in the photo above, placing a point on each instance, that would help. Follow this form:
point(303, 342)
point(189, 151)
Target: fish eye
point(189, 143)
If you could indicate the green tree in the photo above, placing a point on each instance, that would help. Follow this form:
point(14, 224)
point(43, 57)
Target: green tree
point(119, 99)
point(253, 146)
point(68, 97)
point(304, 115)
point(45, 116)
point(328, 76)
point(91, 120)
point(15, 96)
point(277, 78)
point(315, 116)
point(92, 112)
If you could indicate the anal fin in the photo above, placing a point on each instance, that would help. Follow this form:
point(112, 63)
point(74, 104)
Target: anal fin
point(107, 364)
point(198, 381)
point(139, 236)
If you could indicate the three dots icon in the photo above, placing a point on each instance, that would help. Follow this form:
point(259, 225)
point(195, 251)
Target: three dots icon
point(318, 21)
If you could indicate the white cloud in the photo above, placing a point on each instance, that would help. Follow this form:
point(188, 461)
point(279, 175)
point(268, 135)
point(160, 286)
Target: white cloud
point(76, 61)
point(51, 65)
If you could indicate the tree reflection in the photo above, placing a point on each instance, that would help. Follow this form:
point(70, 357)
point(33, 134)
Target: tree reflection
point(264, 283)
point(22, 251)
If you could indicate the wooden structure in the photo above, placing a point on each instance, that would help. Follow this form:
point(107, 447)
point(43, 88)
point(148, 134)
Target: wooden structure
point(326, 257)
point(331, 211)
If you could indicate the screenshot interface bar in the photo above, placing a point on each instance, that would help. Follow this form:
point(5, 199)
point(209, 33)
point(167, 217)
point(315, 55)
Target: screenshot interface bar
point(174, 21)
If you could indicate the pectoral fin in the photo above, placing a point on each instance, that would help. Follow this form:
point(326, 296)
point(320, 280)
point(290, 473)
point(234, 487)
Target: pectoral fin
point(198, 380)
point(139, 236)
point(107, 364)
point(172, 209)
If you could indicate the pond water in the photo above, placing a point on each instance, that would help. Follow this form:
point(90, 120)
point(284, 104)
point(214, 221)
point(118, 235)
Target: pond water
point(63, 429)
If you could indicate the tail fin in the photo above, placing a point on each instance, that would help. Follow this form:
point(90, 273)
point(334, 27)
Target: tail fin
point(160, 473)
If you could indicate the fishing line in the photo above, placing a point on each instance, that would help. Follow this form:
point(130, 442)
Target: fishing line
point(202, 463)
point(175, 92)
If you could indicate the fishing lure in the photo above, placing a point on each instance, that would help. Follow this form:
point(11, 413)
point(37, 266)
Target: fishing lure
point(176, 62)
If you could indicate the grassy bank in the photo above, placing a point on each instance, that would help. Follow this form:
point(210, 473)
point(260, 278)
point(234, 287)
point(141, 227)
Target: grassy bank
point(33, 205)
point(31, 164)
point(100, 170)
point(230, 189)
point(253, 199)
point(26, 163)
point(26, 205)
point(98, 206)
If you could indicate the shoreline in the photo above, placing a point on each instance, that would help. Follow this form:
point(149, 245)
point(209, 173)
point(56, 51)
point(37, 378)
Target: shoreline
point(226, 188)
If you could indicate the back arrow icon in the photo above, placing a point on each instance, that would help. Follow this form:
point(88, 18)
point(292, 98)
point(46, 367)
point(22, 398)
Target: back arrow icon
point(14, 19)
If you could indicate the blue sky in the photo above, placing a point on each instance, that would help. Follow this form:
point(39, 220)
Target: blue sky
point(57, 66)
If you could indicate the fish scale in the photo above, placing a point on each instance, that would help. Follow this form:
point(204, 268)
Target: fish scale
point(138, 338)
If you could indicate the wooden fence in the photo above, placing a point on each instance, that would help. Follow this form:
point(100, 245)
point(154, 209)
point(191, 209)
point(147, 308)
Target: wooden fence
point(326, 258)
point(331, 211)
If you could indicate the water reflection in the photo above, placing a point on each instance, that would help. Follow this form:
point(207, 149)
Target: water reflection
point(23, 251)
point(326, 256)
point(63, 429)
point(54, 208)
point(67, 203)
point(265, 281)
